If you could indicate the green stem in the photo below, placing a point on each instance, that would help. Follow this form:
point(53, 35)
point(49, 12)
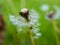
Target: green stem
point(30, 34)
point(55, 31)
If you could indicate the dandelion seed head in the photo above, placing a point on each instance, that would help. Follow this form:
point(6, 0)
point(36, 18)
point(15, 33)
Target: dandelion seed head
point(57, 14)
point(33, 17)
point(44, 7)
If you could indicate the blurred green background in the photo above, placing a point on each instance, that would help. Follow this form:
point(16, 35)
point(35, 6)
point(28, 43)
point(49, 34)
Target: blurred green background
point(12, 37)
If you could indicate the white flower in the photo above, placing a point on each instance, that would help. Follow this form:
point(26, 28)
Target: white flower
point(44, 7)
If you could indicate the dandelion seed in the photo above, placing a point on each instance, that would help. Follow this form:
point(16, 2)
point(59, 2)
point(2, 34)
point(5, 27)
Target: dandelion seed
point(11, 17)
point(35, 30)
point(17, 21)
point(37, 35)
point(19, 29)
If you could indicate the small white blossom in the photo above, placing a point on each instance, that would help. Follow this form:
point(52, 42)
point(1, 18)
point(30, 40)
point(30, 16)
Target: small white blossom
point(44, 7)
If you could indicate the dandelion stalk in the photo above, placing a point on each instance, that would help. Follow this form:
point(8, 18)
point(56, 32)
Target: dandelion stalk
point(55, 30)
point(30, 33)
point(55, 26)
point(51, 15)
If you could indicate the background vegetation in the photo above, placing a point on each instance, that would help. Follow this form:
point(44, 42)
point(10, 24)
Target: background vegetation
point(12, 37)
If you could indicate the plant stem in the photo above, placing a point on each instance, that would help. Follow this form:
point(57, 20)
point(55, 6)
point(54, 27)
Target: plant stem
point(55, 26)
point(30, 34)
point(55, 31)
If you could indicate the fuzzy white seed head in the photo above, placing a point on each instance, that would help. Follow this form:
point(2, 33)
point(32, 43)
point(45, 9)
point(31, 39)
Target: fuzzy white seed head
point(44, 7)
point(24, 10)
